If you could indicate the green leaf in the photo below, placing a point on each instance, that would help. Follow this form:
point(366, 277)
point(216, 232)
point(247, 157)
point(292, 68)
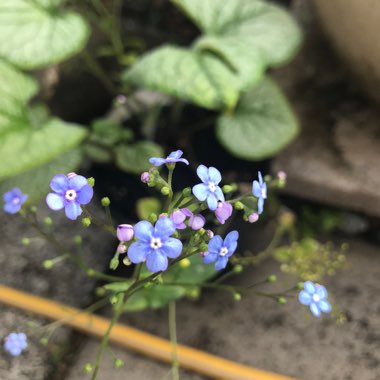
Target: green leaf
point(147, 206)
point(261, 125)
point(247, 26)
point(16, 89)
point(35, 182)
point(36, 33)
point(135, 158)
point(192, 76)
point(28, 148)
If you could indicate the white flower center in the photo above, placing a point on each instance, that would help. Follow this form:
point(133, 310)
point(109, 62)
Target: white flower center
point(71, 195)
point(16, 201)
point(316, 298)
point(223, 251)
point(155, 243)
point(211, 186)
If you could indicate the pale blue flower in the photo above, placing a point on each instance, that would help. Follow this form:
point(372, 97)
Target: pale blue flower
point(315, 296)
point(15, 343)
point(209, 189)
point(259, 190)
point(13, 200)
point(171, 159)
point(69, 193)
point(154, 244)
point(220, 250)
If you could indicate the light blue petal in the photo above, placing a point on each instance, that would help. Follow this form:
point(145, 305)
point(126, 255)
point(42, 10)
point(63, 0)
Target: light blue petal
point(256, 189)
point(144, 231)
point(260, 205)
point(214, 175)
point(264, 190)
point(85, 195)
point(324, 306)
point(212, 202)
point(138, 251)
point(11, 208)
point(202, 173)
point(315, 310)
point(156, 161)
point(72, 210)
point(172, 248)
point(155, 262)
point(184, 161)
point(304, 297)
point(59, 183)
point(164, 228)
point(55, 201)
point(215, 244)
point(221, 263)
point(176, 154)
point(201, 191)
point(260, 178)
point(77, 182)
point(219, 194)
point(8, 196)
point(309, 287)
point(321, 291)
point(231, 238)
point(210, 258)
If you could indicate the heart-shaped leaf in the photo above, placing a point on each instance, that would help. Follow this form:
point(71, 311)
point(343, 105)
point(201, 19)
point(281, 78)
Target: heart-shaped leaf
point(261, 125)
point(36, 33)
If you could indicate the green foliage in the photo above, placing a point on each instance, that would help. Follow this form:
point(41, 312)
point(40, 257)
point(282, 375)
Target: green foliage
point(134, 158)
point(147, 206)
point(38, 33)
point(261, 125)
point(310, 259)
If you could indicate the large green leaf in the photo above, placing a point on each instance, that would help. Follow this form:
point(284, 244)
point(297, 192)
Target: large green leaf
point(261, 125)
point(189, 75)
point(15, 90)
point(134, 158)
point(35, 182)
point(251, 25)
point(28, 148)
point(36, 33)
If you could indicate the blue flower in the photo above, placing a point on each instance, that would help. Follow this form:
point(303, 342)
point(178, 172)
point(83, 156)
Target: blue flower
point(315, 296)
point(69, 192)
point(15, 343)
point(209, 189)
point(171, 159)
point(13, 200)
point(220, 250)
point(154, 244)
point(259, 190)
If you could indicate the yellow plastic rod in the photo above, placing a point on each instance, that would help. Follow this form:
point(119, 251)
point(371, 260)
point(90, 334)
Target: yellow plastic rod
point(136, 340)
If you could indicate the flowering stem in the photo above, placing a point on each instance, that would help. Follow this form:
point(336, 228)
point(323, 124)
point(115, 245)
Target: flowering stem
point(173, 339)
point(170, 180)
point(104, 226)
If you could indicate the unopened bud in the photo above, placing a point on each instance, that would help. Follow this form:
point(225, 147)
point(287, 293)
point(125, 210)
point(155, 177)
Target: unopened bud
point(238, 268)
point(105, 202)
point(281, 300)
point(114, 263)
point(300, 285)
point(33, 209)
point(48, 221)
point(25, 241)
point(87, 368)
point(210, 234)
point(227, 189)
point(86, 222)
point(185, 263)
point(237, 296)
point(44, 341)
point(78, 240)
point(238, 206)
point(186, 191)
point(91, 181)
point(272, 278)
point(254, 217)
point(145, 177)
point(126, 261)
point(165, 190)
point(118, 363)
point(152, 217)
point(48, 264)
point(125, 232)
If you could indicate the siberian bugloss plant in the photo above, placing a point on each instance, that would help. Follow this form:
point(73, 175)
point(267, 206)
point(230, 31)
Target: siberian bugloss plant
point(178, 251)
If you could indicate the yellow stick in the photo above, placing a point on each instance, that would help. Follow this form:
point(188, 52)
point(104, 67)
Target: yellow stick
point(136, 340)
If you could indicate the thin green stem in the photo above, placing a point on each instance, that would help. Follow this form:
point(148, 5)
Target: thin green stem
point(173, 339)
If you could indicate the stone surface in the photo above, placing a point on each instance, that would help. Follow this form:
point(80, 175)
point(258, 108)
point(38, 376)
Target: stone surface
point(257, 331)
point(334, 160)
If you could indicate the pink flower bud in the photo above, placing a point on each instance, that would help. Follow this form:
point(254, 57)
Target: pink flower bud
point(196, 222)
point(254, 217)
point(210, 234)
point(71, 175)
point(121, 248)
point(223, 211)
point(125, 232)
point(145, 177)
point(281, 175)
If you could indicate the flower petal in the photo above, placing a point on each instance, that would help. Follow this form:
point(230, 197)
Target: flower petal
point(196, 222)
point(85, 194)
point(156, 161)
point(138, 251)
point(260, 178)
point(156, 262)
point(201, 191)
point(59, 183)
point(221, 263)
point(77, 182)
point(321, 291)
point(164, 228)
point(8, 196)
point(215, 244)
point(202, 173)
point(176, 154)
point(304, 297)
point(256, 190)
point(144, 230)
point(314, 309)
point(212, 202)
point(183, 160)
point(11, 208)
point(55, 201)
point(178, 217)
point(210, 258)
point(260, 205)
point(309, 287)
point(231, 238)
point(72, 210)
point(172, 248)
point(214, 175)
point(219, 194)
point(324, 306)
